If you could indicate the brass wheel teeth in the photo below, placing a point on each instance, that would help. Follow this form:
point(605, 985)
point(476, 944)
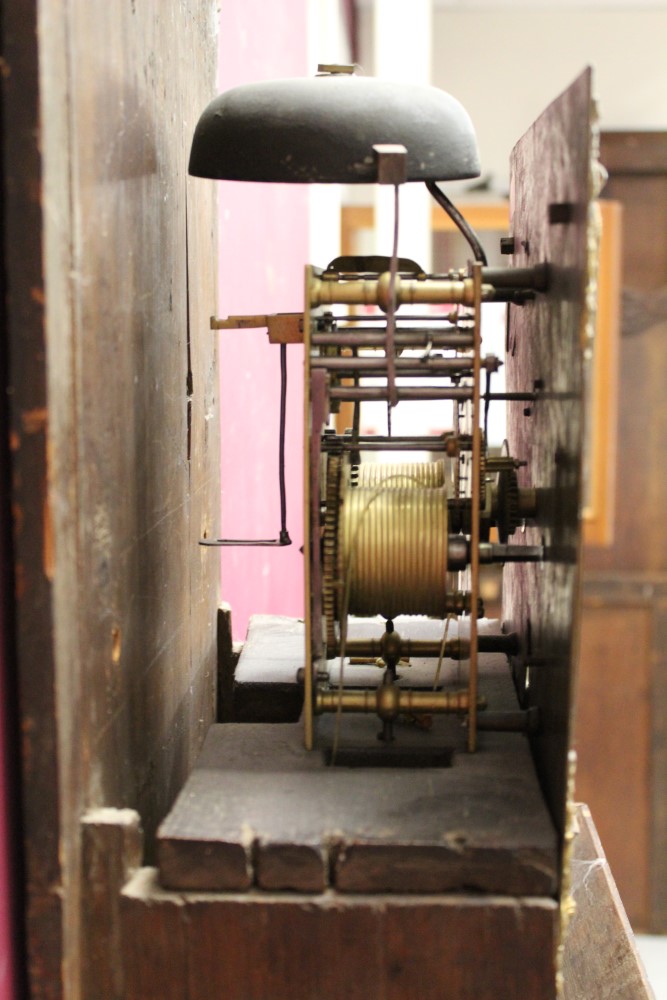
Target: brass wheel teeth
point(482, 481)
point(330, 547)
point(510, 516)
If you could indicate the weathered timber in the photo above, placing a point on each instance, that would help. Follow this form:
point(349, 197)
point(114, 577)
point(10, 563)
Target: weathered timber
point(626, 579)
point(154, 954)
point(329, 946)
point(601, 960)
point(112, 849)
point(25, 392)
point(112, 385)
point(260, 810)
point(226, 666)
point(550, 191)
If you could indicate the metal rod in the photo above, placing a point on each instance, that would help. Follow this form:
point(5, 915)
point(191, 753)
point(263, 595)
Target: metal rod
point(451, 317)
point(407, 291)
point(390, 329)
point(402, 338)
point(455, 649)
point(463, 441)
point(406, 700)
point(402, 366)
point(388, 444)
point(308, 550)
point(491, 553)
point(508, 397)
point(475, 511)
point(518, 277)
point(379, 392)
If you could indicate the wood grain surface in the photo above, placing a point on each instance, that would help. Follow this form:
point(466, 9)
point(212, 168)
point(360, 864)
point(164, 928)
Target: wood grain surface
point(550, 190)
point(259, 945)
point(629, 574)
point(259, 810)
point(601, 960)
point(112, 850)
point(113, 385)
point(28, 510)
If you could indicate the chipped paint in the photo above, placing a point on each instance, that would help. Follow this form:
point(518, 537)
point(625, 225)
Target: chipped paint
point(35, 421)
point(116, 645)
point(48, 543)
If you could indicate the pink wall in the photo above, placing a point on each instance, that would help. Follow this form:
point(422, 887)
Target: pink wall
point(263, 250)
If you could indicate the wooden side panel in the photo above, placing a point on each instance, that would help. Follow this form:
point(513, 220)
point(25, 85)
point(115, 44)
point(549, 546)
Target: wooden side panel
point(369, 947)
point(600, 959)
point(111, 852)
point(550, 192)
point(630, 573)
point(623, 753)
point(613, 741)
point(143, 392)
point(153, 955)
point(25, 391)
point(113, 386)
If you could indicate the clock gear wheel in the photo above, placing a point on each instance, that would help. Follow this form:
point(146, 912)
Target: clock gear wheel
point(334, 476)
point(507, 512)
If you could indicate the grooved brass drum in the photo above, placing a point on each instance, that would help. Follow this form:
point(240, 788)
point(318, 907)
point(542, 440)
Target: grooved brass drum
point(393, 550)
point(431, 474)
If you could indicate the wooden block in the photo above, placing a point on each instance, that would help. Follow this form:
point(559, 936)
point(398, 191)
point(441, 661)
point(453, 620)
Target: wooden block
point(267, 702)
point(409, 867)
point(221, 864)
point(298, 867)
point(330, 947)
point(153, 954)
point(112, 847)
point(471, 949)
point(260, 809)
point(600, 960)
point(226, 665)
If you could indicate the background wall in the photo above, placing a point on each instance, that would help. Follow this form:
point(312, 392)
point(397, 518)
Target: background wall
point(505, 61)
point(263, 250)
point(268, 233)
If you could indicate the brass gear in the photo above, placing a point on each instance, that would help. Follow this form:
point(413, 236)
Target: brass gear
point(507, 514)
point(330, 547)
point(482, 480)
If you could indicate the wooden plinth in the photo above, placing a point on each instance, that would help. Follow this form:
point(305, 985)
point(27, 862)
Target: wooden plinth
point(257, 946)
point(260, 811)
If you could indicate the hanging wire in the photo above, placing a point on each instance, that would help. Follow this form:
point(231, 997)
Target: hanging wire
point(443, 646)
point(283, 537)
point(459, 221)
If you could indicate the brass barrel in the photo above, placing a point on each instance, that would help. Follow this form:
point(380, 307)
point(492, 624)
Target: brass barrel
point(393, 550)
point(394, 475)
